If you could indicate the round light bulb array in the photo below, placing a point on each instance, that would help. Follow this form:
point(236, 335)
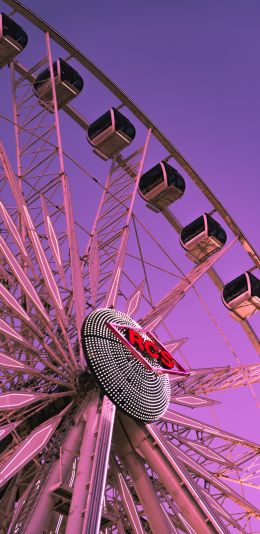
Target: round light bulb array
point(138, 392)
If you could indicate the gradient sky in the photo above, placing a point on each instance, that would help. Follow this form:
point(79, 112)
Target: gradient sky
point(193, 67)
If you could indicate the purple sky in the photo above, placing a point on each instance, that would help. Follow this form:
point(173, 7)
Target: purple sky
point(192, 66)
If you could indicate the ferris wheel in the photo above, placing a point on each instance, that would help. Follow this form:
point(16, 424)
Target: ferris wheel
point(93, 276)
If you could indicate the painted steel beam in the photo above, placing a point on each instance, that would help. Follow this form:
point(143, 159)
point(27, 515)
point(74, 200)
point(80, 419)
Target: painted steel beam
point(84, 468)
point(206, 380)
point(142, 484)
point(215, 481)
point(99, 471)
point(180, 419)
point(174, 478)
point(40, 492)
point(170, 301)
point(127, 500)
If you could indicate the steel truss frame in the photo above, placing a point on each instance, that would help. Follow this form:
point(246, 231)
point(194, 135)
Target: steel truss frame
point(98, 469)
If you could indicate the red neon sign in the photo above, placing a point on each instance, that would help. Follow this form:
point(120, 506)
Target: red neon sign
point(142, 348)
point(148, 347)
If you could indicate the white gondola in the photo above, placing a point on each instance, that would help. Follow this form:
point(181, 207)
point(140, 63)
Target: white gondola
point(110, 134)
point(242, 295)
point(203, 237)
point(161, 186)
point(68, 83)
point(13, 39)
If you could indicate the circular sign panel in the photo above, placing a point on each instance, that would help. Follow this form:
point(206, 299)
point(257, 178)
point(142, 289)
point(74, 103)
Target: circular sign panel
point(132, 384)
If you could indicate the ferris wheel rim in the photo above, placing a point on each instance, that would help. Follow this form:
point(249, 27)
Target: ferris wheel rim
point(173, 151)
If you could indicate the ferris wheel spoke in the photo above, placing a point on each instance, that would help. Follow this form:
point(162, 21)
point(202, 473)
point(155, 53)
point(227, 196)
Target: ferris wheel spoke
point(9, 332)
point(12, 303)
point(7, 429)
point(134, 300)
point(223, 513)
point(213, 480)
point(207, 504)
point(173, 475)
point(193, 401)
point(94, 268)
point(28, 288)
point(18, 310)
point(112, 294)
point(53, 241)
point(203, 444)
point(179, 419)
point(28, 449)
point(207, 452)
point(76, 272)
point(16, 399)
point(168, 303)
point(55, 191)
point(111, 225)
point(39, 499)
point(46, 271)
point(7, 362)
point(14, 232)
point(128, 501)
point(179, 519)
point(23, 280)
point(204, 381)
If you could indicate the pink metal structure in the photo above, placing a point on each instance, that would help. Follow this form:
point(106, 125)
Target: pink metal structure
point(70, 461)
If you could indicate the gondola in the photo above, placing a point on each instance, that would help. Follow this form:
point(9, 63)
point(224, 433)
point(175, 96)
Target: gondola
point(203, 237)
point(242, 295)
point(13, 39)
point(110, 134)
point(161, 186)
point(68, 83)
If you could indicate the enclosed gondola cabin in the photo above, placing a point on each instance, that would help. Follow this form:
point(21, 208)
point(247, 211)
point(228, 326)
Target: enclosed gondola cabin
point(161, 185)
point(68, 83)
point(13, 39)
point(202, 237)
point(110, 134)
point(242, 295)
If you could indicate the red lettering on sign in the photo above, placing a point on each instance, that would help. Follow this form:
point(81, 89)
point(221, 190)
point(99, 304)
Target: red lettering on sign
point(146, 347)
point(166, 359)
point(151, 349)
point(135, 339)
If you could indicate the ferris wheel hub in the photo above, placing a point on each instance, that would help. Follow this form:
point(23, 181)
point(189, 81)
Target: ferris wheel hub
point(131, 376)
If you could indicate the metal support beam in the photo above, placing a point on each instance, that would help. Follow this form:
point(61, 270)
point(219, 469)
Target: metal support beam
point(77, 280)
point(143, 485)
point(83, 475)
point(59, 472)
point(112, 294)
point(195, 509)
point(99, 470)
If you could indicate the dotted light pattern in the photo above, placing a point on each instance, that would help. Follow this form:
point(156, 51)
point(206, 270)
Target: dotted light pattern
point(135, 390)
